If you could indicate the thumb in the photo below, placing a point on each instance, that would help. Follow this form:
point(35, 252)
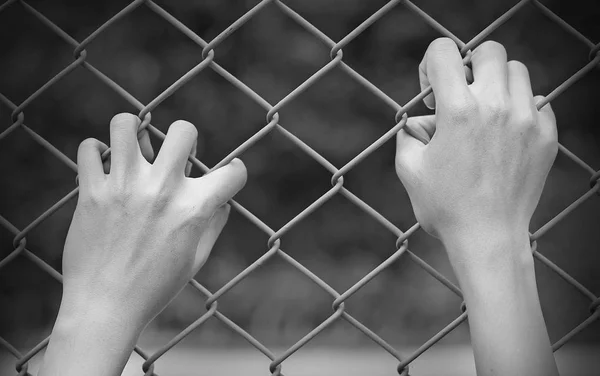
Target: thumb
point(188, 165)
point(421, 127)
point(145, 145)
point(547, 118)
point(210, 235)
point(145, 148)
point(409, 150)
point(219, 186)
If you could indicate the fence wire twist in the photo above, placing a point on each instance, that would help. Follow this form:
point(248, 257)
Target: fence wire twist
point(337, 180)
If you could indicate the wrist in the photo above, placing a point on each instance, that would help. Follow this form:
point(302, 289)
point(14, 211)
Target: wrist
point(497, 278)
point(478, 251)
point(81, 313)
point(89, 337)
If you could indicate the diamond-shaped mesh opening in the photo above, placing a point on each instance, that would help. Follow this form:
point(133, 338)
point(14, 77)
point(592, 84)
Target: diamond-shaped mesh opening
point(143, 53)
point(31, 55)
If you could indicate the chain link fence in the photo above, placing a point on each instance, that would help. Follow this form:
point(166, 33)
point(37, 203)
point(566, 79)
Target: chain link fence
point(272, 124)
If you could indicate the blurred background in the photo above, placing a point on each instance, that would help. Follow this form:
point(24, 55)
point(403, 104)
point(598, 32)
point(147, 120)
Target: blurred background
point(338, 118)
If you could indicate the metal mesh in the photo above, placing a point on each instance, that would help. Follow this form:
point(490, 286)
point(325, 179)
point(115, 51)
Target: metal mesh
point(337, 180)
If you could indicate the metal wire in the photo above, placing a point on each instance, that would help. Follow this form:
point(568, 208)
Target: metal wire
point(337, 181)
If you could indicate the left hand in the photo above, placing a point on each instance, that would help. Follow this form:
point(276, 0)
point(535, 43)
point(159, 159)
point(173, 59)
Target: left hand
point(141, 232)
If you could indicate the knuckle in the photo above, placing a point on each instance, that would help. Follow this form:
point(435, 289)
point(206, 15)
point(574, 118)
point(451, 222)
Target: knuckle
point(497, 109)
point(517, 65)
point(123, 120)
point(119, 194)
point(462, 108)
point(92, 196)
point(120, 190)
point(185, 127)
point(88, 143)
point(439, 49)
point(156, 195)
point(525, 119)
point(204, 208)
point(490, 46)
point(443, 43)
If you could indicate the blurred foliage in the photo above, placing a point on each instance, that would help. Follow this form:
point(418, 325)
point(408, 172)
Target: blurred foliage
point(337, 117)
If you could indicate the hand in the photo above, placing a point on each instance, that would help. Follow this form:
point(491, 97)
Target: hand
point(475, 185)
point(140, 233)
point(490, 150)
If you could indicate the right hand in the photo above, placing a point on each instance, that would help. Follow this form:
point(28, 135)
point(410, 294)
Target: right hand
point(490, 151)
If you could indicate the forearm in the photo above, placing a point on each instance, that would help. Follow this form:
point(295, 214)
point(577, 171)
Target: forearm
point(92, 339)
point(508, 332)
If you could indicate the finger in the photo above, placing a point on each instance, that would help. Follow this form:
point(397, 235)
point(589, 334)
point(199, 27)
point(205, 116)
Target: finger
point(421, 127)
point(429, 100)
point(442, 69)
point(489, 67)
point(468, 75)
point(145, 145)
point(106, 165)
point(547, 119)
point(519, 85)
point(468, 70)
point(219, 186)
point(89, 162)
point(545, 111)
point(408, 154)
point(125, 149)
point(188, 165)
point(210, 236)
point(176, 148)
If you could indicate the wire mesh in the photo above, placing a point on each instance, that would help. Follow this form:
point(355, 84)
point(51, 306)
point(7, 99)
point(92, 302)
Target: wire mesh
point(274, 246)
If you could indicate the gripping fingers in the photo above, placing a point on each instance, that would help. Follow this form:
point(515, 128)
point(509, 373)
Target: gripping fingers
point(145, 145)
point(145, 148)
point(409, 151)
point(219, 186)
point(188, 165)
point(125, 149)
point(490, 67)
point(547, 120)
point(519, 85)
point(89, 162)
point(172, 156)
point(421, 127)
point(442, 68)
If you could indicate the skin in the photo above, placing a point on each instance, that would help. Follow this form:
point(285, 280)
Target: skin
point(475, 185)
point(138, 235)
point(474, 172)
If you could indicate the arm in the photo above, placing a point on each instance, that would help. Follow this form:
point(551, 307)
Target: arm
point(138, 235)
point(507, 328)
point(474, 172)
point(90, 339)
